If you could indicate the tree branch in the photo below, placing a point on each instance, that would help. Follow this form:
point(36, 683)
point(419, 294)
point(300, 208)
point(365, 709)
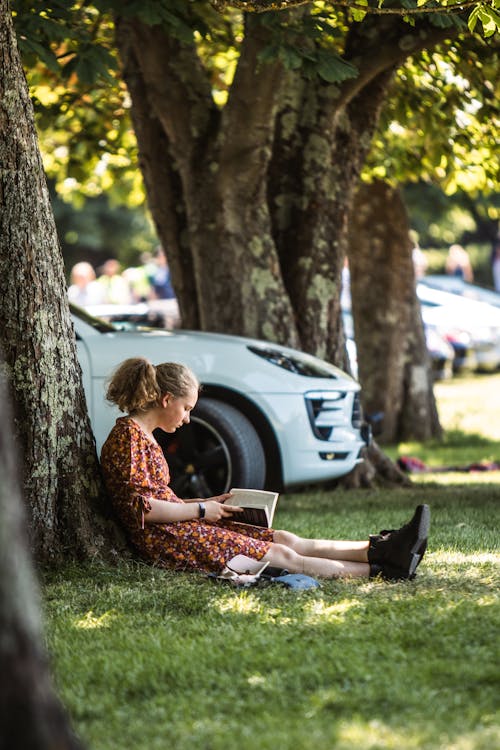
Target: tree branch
point(264, 6)
point(388, 52)
point(180, 91)
point(252, 103)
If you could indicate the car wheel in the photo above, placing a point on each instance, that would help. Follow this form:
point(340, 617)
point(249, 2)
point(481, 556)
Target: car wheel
point(217, 450)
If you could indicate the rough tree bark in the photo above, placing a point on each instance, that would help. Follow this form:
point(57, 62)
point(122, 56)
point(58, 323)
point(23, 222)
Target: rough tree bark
point(211, 181)
point(31, 715)
point(387, 321)
point(52, 429)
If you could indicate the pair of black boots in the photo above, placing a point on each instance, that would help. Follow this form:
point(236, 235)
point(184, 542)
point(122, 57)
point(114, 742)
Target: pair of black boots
point(394, 554)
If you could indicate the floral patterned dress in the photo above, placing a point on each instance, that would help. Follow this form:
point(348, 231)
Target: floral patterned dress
point(135, 471)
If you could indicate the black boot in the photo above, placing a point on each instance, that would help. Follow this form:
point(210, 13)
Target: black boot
point(398, 552)
point(412, 523)
point(388, 572)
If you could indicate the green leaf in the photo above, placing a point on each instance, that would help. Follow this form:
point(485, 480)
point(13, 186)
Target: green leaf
point(333, 69)
point(473, 18)
point(85, 69)
point(489, 19)
point(45, 54)
point(290, 58)
point(357, 13)
point(269, 54)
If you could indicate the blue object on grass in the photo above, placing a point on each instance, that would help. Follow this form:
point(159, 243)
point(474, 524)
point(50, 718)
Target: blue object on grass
point(297, 581)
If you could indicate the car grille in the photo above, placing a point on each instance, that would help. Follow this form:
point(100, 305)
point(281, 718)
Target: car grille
point(326, 410)
point(357, 414)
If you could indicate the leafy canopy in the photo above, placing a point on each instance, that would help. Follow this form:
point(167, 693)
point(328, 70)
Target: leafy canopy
point(83, 109)
point(485, 13)
point(440, 122)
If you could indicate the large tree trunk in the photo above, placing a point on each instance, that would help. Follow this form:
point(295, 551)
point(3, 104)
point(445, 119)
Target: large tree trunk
point(31, 715)
point(393, 363)
point(218, 176)
point(251, 200)
point(52, 429)
point(314, 173)
point(264, 185)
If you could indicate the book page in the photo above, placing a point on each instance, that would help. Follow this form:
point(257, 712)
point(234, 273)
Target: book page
point(253, 498)
point(259, 506)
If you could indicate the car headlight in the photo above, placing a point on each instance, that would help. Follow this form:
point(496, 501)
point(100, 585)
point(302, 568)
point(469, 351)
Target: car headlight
point(293, 362)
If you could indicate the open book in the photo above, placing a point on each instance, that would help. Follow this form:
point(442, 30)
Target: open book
point(259, 506)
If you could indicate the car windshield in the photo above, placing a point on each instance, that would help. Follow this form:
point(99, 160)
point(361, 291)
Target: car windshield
point(97, 323)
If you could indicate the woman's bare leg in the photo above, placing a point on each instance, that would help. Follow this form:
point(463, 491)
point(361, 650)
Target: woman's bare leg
point(346, 551)
point(283, 556)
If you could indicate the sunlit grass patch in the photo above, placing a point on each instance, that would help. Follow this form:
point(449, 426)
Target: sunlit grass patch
point(471, 405)
point(469, 411)
point(375, 735)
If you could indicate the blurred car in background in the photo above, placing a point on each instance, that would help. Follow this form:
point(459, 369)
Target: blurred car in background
point(162, 313)
point(470, 326)
point(456, 285)
point(441, 352)
point(267, 416)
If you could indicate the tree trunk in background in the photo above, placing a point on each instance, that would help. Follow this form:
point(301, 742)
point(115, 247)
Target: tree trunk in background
point(52, 429)
point(393, 363)
point(31, 715)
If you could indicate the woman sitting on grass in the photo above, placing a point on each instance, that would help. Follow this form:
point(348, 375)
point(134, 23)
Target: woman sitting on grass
point(203, 534)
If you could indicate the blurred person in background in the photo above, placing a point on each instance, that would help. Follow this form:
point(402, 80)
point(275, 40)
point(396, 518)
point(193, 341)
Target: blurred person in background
point(160, 276)
point(115, 288)
point(419, 261)
point(139, 283)
point(458, 263)
point(84, 289)
point(163, 299)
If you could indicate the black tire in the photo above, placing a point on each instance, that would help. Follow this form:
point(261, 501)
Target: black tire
point(218, 450)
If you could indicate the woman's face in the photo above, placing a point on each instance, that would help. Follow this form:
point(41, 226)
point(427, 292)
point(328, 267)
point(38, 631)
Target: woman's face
point(176, 411)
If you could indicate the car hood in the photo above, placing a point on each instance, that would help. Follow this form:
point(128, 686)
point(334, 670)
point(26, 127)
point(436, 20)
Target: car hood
point(216, 358)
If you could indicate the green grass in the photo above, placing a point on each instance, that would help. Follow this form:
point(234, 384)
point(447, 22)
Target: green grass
point(469, 410)
point(148, 659)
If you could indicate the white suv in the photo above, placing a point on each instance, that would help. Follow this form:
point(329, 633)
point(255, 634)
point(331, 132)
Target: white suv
point(268, 416)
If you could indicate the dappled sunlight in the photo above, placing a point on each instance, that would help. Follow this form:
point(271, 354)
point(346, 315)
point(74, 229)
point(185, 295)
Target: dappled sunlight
point(375, 734)
point(321, 611)
point(462, 558)
point(470, 573)
point(444, 606)
point(312, 612)
point(257, 680)
point(241, 603)
point(90, 621)
point(459, 478)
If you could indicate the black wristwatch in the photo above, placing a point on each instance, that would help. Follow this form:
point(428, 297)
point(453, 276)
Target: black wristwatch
point(201, 507)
